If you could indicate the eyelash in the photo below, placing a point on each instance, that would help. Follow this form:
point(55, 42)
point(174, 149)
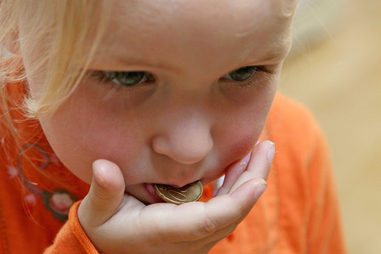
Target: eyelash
point(103, 80)
point(101, 77)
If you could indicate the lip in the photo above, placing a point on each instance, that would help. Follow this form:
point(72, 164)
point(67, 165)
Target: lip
point(154, 198)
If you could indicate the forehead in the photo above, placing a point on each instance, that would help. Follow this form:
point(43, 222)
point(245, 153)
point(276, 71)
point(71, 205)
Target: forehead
point(255, 30)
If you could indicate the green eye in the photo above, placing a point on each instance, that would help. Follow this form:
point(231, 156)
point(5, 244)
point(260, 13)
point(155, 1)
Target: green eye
point(130, 78)
point(241, 74)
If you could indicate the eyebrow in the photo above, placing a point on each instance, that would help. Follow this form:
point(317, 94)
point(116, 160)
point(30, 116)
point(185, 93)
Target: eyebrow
point(120, 61)
point(128, 61)
point(269, 57)
point(274, 55)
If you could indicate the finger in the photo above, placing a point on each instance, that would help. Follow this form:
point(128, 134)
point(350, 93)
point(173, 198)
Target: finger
point(259, 190)
point(209, 246)
point(105, 195)
point(259, 165)
point(224, 232)
point(231, 175)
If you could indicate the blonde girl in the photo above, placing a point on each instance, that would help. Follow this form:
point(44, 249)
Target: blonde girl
point(101, 100)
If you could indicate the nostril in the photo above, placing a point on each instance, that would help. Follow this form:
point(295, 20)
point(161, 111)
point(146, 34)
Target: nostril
point(159, 146)
point(187, 160)
point(182, 152)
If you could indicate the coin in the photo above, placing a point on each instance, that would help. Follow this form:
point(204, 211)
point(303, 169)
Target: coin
point(188, 193)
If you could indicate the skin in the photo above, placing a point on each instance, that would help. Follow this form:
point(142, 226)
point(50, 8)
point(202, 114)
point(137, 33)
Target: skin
point(190, 124)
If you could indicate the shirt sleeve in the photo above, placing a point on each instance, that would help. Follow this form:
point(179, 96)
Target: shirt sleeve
point(72, 238)
point(324, 232)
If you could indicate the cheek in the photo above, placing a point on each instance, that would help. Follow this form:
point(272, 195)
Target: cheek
point(241, 128)
point(66, 143)
point(81, 136)
point(236, 141)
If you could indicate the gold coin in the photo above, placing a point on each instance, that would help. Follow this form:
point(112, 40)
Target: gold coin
point(188, 193)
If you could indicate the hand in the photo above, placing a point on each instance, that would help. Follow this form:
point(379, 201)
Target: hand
point(119, 223)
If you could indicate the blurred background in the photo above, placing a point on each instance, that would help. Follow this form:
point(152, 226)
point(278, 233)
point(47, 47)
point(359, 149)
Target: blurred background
point(334, 68)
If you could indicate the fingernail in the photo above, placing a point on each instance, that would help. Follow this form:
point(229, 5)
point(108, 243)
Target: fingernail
point(259, 190)
point(241, 166)
point(247, 158)
point(271, 152)
point(98, 178)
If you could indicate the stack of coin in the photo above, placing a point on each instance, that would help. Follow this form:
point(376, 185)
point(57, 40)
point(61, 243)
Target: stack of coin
point(188, 193)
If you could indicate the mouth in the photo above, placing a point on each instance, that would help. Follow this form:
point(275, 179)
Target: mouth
point(159, 193)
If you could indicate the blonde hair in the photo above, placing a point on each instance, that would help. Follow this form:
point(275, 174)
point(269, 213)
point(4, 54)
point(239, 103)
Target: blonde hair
point(68, 30)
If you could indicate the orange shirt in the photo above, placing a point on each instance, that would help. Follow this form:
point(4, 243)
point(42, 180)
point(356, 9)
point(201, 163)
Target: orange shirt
point(298, 213)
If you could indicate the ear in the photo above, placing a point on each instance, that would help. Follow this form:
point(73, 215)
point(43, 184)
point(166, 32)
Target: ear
point(11, 42)
point(286, 8)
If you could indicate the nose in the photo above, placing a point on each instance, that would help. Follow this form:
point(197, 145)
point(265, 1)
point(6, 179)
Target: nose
point(186, 142)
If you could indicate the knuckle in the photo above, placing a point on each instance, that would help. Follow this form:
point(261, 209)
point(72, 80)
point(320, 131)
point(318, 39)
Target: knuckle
point(99, 195)
point(249, 174)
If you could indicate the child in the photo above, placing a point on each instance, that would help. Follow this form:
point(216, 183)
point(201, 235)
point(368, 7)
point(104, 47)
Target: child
point(101, 101)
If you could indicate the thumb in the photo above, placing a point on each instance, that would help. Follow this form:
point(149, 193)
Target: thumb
point(105, 195)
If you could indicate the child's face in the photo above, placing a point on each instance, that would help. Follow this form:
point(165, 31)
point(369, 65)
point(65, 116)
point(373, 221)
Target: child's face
point(189, 120)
